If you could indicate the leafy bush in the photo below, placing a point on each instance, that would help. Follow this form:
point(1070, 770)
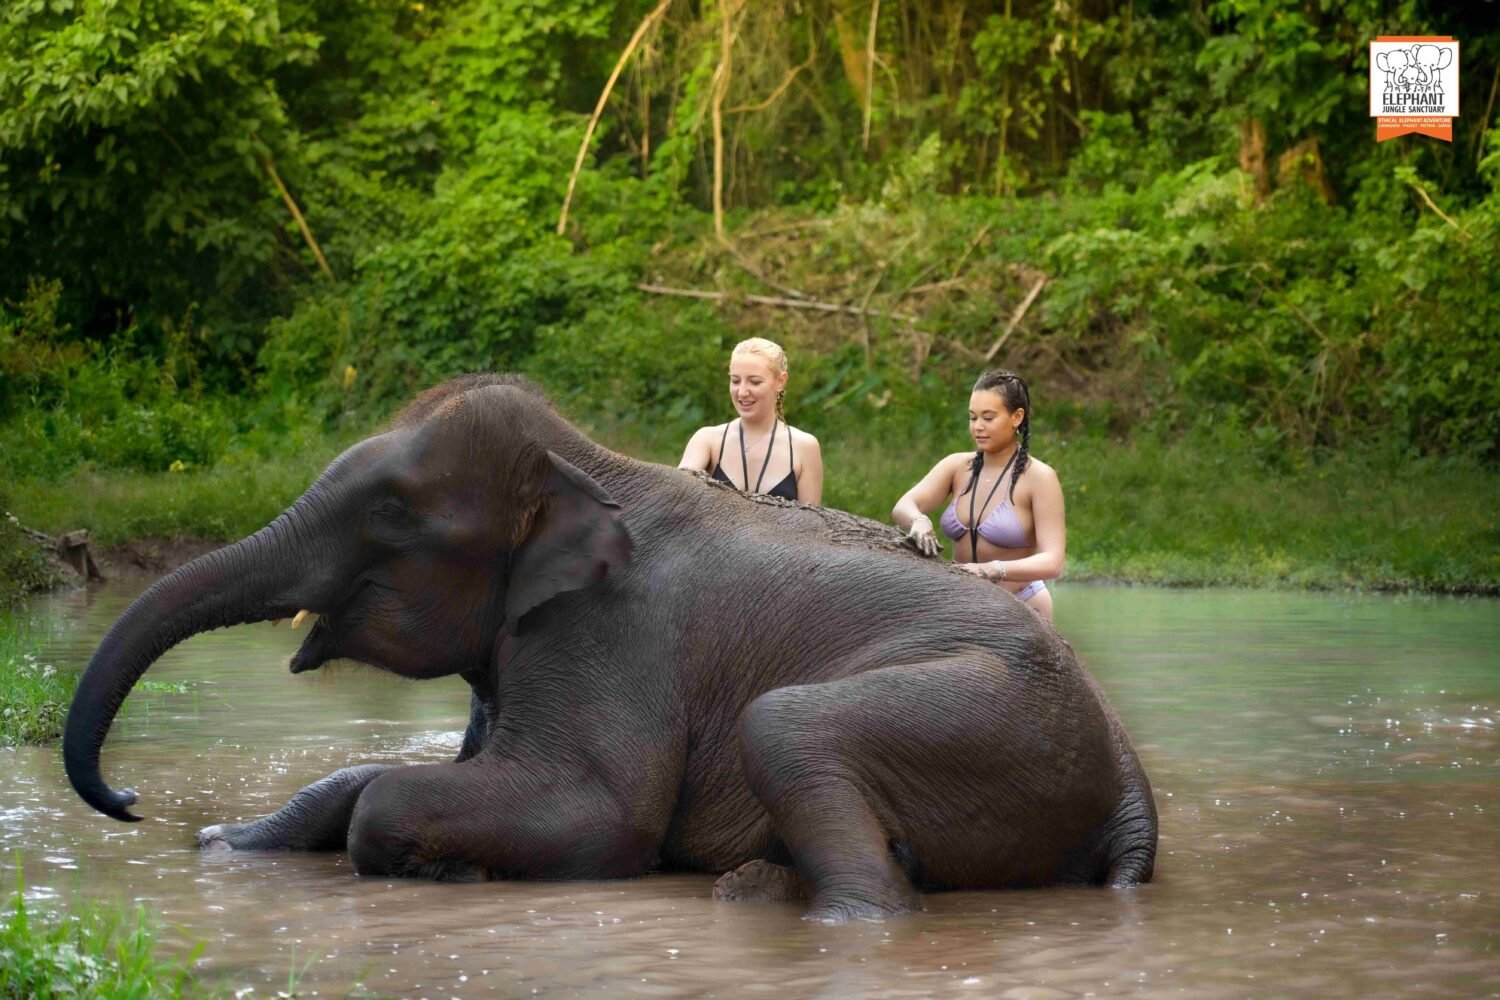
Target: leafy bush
point(70, 403)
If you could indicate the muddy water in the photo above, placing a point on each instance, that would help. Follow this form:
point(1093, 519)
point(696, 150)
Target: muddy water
point(1327, 771)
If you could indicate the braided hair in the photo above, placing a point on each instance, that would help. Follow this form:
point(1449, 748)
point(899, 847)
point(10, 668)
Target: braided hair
point(1016, 396)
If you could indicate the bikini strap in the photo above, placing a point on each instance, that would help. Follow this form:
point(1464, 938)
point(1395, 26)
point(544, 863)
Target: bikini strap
point(723, 440)
point(745, 456)
point(973, 525)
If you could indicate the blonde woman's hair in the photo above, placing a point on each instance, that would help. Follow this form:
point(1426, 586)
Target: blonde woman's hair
point(770, 352)
point(762, 348)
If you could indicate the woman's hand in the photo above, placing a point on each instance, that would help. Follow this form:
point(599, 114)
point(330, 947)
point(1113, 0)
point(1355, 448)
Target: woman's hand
point(923, 537)
point(993, 570)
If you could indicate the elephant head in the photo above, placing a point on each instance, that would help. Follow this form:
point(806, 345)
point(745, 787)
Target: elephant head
point(1428, 60)
point(416, 549)
point(1391, 63)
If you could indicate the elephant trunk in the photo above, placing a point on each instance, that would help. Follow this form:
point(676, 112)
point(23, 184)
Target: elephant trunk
point(260, 577)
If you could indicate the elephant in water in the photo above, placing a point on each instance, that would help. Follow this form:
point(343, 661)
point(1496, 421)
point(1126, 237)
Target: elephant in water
point(666, 674)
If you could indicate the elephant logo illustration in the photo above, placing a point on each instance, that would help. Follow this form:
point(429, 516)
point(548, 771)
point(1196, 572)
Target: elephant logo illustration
point(1416, 70)
point(1414, 85)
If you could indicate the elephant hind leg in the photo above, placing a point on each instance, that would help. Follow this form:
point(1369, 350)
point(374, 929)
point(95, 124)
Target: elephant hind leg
point(954, 773)
point(790, 740)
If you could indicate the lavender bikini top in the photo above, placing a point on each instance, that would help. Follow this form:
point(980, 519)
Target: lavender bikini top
point(1002, 527)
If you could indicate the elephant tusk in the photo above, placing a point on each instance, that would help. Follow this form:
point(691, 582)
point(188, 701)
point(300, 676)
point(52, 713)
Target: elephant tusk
point(300, 617)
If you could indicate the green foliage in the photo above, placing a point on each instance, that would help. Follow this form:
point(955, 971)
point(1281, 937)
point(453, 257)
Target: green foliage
point(167, 168)
point(132, 144)
point(24, 568)
point(1304, 324)
point(33, 696)
point(252, 484)
point(93, 952)
point(114, 405)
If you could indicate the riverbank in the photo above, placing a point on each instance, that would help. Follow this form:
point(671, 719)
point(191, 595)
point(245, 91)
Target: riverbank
point(1184, 513)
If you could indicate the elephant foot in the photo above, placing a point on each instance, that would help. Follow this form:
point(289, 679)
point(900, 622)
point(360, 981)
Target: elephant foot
point(842, 911)
point(222, 837)
point(762, 882)
point(257, 835)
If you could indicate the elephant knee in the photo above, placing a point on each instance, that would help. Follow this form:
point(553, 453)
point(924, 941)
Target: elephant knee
point(378, 840)
point(779, 740)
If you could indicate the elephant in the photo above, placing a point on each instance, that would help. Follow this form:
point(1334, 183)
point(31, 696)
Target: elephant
point(665, 674)
point(1429, 60)
point(1393, 64)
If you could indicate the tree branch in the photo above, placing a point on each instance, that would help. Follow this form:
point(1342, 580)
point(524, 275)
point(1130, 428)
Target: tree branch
point(1015, 319)
point(286, 197)
point(609, 86)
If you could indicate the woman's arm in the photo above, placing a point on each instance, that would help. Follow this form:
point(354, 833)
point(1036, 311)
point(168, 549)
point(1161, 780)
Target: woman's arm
point(699, 454)
point(810, 479)
point(928, 495)
point(1051, 535)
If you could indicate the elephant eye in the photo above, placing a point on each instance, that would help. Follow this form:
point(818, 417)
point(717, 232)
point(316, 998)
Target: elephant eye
point(390, 516)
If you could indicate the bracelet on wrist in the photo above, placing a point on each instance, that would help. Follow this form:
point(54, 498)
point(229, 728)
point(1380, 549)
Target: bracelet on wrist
point(1000, 569)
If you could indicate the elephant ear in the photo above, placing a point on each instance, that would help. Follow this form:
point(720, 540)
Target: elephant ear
point(578, 535)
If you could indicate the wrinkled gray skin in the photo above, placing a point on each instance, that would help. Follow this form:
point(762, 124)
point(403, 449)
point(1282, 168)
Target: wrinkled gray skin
point(665, 674)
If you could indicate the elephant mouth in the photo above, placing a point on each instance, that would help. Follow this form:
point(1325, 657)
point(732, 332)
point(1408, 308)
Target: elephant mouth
point(316, 649)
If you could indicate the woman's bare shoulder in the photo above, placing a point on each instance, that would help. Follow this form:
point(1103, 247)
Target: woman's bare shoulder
point(799, 435)
point(1039, 474)
point(708, 431)
point(1040, 468)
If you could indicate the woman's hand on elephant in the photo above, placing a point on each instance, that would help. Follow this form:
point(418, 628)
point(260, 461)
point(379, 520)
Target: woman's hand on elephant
point(923, 537)
point(994, 570)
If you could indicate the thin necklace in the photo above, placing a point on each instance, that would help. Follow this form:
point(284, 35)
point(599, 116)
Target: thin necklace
point(745, 457)
point(973, 525)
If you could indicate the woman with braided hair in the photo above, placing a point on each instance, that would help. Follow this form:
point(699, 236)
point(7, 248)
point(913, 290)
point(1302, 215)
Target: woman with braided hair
point(1006, 518)
point(791, 469)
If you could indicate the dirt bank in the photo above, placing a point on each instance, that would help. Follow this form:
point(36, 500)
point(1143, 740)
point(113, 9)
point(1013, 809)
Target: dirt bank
point(149, 558)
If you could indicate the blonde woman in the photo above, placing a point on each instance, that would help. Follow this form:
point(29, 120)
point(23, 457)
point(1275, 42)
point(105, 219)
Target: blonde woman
point(765, 454)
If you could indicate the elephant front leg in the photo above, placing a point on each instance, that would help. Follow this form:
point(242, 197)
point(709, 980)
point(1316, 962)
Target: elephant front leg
point(499, 818)
point(316, 819)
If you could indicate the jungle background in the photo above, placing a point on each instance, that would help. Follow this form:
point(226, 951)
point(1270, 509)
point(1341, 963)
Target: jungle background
point(235, 235)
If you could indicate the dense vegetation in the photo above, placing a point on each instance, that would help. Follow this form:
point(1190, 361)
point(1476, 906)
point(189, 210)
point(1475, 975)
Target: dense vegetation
point(235, 228)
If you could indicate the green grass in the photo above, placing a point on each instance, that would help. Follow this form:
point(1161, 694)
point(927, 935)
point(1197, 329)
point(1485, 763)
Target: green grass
point(34, 696)
point(1195, 514)
point(235, 497)
point(94, 952)
point(1191, 513)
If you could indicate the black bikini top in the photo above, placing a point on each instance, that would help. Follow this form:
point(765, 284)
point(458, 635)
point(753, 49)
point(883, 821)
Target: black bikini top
point(786, 489)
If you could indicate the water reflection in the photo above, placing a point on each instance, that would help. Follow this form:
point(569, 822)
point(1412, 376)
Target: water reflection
point(1325, 768)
